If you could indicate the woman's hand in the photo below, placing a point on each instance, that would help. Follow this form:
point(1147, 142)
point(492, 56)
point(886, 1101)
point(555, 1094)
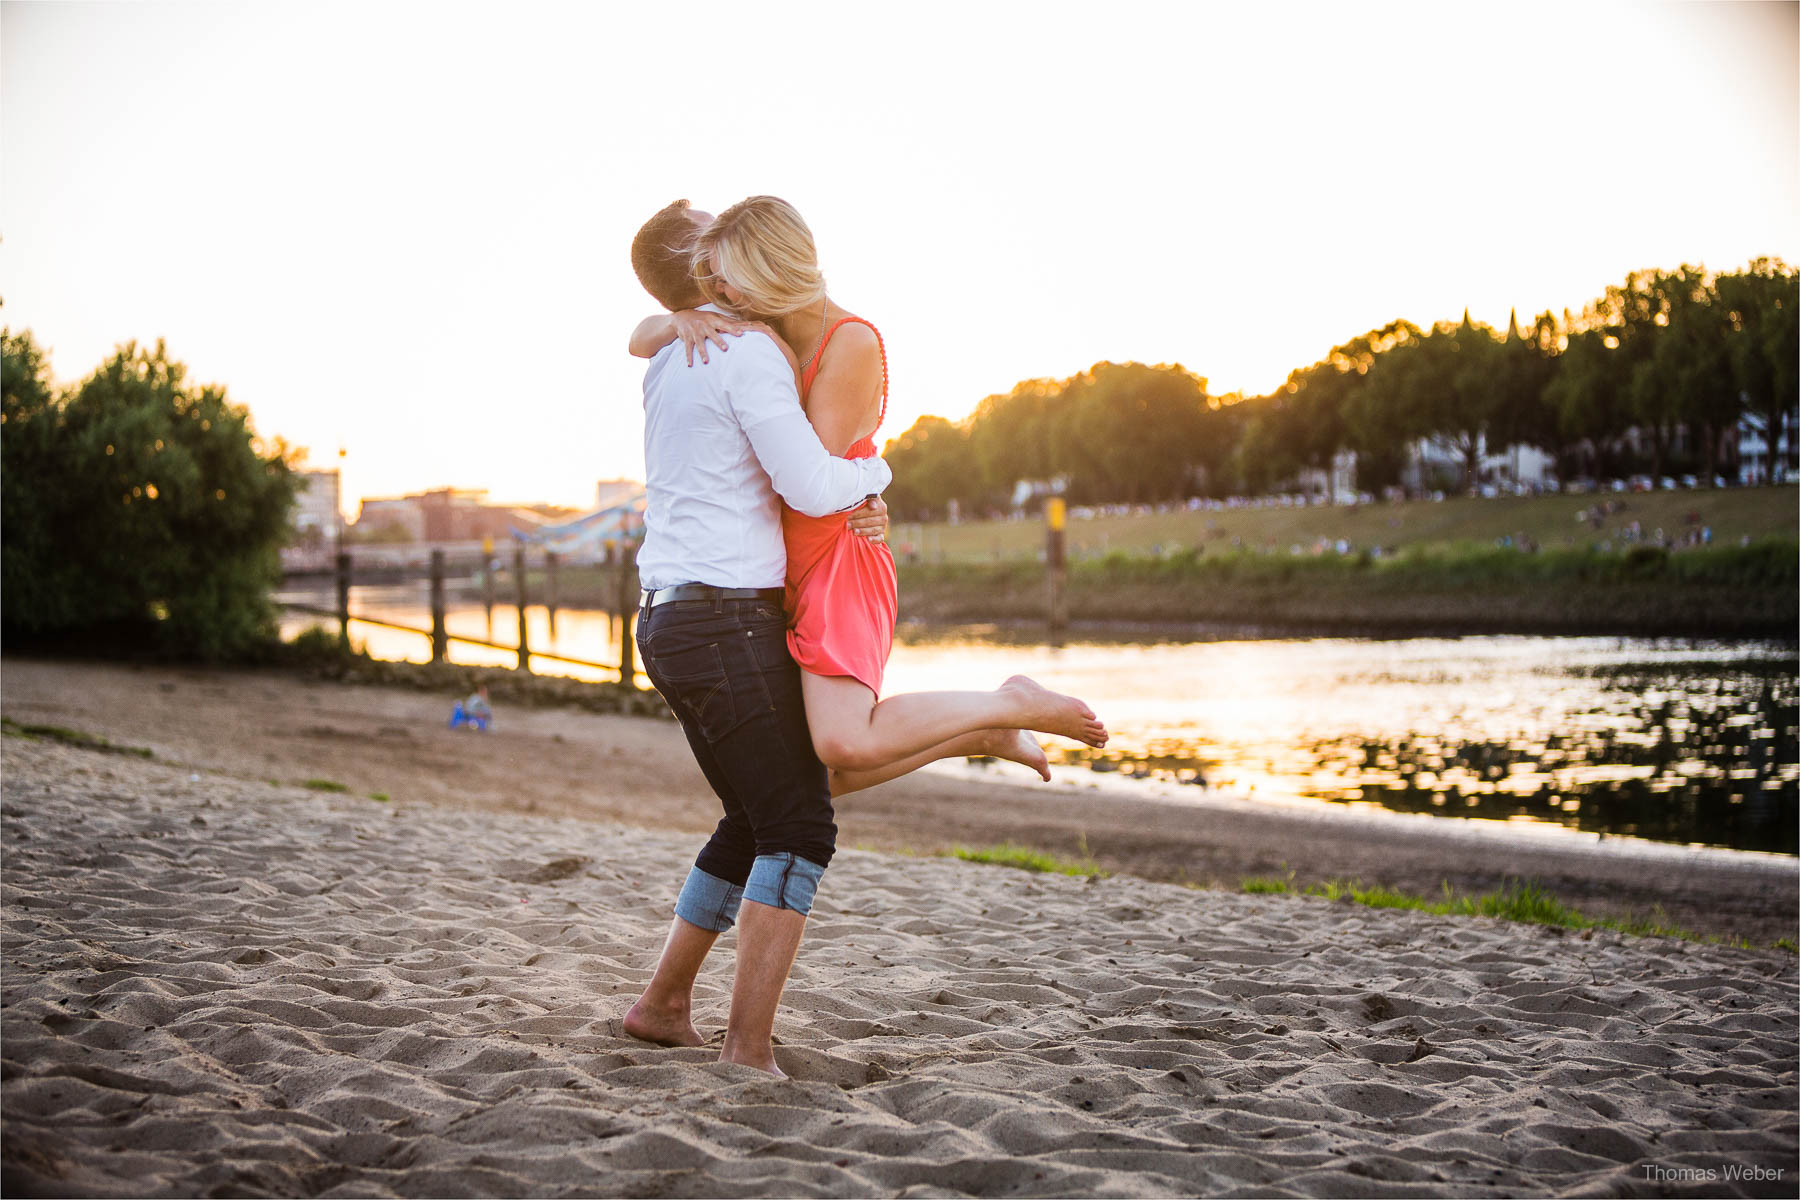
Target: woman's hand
point(695, 328)
point(691, 326)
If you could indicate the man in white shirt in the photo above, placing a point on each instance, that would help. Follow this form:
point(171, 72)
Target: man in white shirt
point(725, 442)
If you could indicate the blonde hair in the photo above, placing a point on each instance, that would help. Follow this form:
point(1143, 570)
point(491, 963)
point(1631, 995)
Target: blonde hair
point(761, 247)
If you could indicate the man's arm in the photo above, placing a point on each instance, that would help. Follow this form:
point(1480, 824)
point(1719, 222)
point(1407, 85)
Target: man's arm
point(761, 390)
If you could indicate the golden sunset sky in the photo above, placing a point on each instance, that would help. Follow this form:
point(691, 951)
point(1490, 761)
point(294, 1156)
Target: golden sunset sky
point(404, 228)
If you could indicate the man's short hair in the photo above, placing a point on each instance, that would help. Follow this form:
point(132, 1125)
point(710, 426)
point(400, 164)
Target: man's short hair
point(661, 253)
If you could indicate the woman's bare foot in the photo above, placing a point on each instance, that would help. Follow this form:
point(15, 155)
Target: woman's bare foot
point(1052, 712)
point(665, 1027)
point(1016, 745)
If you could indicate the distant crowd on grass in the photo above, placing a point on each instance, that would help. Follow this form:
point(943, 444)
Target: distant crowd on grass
point(1195, 504)
point(1646, 387)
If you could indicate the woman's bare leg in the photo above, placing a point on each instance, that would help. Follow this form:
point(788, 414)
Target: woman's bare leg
point(852, 732)
point(1015, 745)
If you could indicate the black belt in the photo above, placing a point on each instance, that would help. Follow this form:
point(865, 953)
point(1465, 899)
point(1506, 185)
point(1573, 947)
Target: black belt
point(708, 593)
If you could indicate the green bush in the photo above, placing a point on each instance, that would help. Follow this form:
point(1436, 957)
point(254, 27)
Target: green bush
point(138, 509)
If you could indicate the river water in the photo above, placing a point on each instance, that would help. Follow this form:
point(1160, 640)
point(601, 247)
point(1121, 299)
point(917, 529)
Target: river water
point(1677, 741)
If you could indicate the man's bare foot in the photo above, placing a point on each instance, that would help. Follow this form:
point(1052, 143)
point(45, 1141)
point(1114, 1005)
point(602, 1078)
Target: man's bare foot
point(764, 1061)
point(665, 1027)
point(1052, 712)
point(1016, 745)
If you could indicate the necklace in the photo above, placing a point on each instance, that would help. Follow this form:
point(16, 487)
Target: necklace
point(824, 313)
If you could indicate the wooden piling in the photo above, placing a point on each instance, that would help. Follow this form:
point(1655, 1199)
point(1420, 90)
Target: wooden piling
point(343, 598)
point(524, 642)
point(628, 598)
point(440, 634)
point(1056, 566)
point(488, 565)
point(550, 591)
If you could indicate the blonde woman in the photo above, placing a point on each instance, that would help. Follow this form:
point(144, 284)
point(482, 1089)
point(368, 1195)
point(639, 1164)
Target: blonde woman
point(757, 260)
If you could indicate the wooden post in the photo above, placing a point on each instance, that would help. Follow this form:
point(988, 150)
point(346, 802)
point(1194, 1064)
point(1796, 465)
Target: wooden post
point(1056, 564)
point(550, 591)
point(524, 643)
point(609, 603)
point(488, 564)
point(343, 598)
point(440, 636)
point(628, 597)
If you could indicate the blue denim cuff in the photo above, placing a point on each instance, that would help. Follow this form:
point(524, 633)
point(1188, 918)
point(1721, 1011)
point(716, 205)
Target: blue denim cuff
point(708, 901)
point(784, 881)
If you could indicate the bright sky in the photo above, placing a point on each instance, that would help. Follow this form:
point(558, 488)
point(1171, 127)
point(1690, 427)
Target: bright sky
point(404, 229)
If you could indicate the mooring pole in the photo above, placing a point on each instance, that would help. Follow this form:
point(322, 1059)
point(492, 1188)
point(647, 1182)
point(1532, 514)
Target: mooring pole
point(343, 598)
point(550, 591)
point(440, 635)
point(1056, 566)
point(488, 563)
point(524, 643)
point(628, 598)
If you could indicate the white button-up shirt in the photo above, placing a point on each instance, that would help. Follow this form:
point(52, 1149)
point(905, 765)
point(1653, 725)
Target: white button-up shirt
point(724, 443)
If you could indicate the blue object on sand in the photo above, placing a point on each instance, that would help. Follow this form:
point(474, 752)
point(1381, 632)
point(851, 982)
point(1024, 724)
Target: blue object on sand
point(459, 718)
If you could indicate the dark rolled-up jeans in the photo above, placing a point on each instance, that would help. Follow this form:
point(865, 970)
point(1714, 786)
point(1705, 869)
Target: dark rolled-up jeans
point(724, 668)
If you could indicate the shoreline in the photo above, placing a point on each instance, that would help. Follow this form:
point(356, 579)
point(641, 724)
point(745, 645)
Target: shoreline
point(1375, 821)
point(1033, 631)
point(269, 725)
point(1310, 597)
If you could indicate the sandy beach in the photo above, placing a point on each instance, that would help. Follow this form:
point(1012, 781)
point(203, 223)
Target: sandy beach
point(220, 982)
point(265, 725)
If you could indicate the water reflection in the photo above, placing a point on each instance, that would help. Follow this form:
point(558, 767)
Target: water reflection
point(1666, 755)
point(1676, 741)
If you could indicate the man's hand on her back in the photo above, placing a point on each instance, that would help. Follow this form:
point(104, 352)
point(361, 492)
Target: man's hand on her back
point(871, 520)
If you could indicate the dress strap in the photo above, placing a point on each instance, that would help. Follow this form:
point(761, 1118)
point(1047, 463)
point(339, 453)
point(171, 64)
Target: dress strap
point(812, 368)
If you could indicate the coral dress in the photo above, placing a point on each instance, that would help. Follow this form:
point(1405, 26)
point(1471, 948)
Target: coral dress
point(842, 595)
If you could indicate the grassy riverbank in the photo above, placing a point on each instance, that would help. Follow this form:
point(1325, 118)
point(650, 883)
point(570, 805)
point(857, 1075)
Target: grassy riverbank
point(1566, 522)
point(1720, 591)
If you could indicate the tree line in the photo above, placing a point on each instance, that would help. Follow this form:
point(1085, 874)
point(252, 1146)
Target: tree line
point(140, 512)
point(1653, 376)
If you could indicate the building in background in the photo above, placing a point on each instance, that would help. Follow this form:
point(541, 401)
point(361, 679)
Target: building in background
point(1433, 464)
point(1755, 463)
point(448, 515)
point(317, 515)
point(462, 514)
point(390, 519)
point(609, 493)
